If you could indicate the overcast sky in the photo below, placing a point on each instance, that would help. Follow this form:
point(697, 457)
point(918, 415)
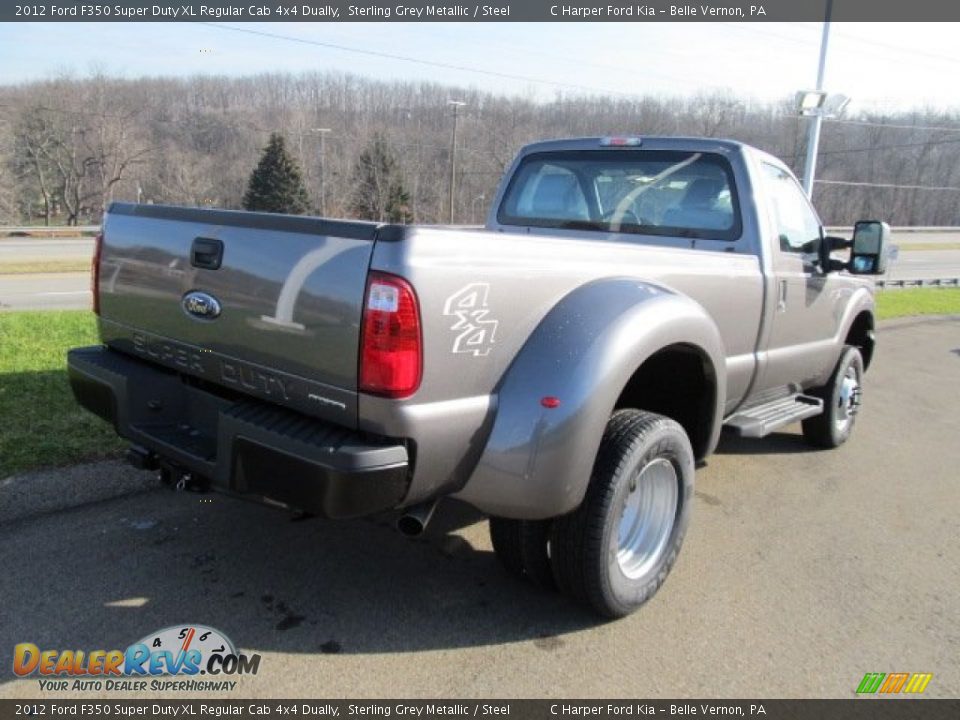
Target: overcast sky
point(881, 66)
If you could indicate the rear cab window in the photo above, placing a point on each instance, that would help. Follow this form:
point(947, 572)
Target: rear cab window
point(650, 192)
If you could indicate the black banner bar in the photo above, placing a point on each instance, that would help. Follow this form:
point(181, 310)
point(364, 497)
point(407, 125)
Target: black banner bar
point(854, 709)
point(477, 11)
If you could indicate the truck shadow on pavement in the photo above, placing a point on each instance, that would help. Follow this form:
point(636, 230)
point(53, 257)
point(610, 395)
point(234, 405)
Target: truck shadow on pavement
point(106, 575)
point(776, 443)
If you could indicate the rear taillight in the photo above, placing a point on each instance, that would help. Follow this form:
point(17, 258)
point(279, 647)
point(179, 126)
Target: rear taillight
point(95, 272)
point(390, 347)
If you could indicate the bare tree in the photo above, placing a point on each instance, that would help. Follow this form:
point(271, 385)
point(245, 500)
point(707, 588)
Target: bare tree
point(77, 143)
point(35, 139)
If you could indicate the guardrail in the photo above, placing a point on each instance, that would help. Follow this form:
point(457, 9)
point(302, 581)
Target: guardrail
point(886, 284)
point(48, 231)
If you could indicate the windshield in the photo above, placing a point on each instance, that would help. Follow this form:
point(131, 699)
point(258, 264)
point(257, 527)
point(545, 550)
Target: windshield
point(686, 194)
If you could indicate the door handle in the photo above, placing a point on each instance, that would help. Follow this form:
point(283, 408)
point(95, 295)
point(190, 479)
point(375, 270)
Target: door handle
point(782, 296)
point(206, 253)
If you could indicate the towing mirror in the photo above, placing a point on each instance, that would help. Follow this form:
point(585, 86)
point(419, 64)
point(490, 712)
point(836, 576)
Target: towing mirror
point(826, 247)
point(869, 254)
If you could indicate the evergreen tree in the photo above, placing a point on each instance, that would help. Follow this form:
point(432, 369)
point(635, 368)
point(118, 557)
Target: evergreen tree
point(398, 204)
point(276, 184)
point(378, 190)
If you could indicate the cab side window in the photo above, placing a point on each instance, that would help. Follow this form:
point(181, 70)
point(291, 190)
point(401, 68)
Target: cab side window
point(797, 225)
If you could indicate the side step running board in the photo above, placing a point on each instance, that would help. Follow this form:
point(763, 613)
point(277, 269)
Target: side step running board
point(761, 420)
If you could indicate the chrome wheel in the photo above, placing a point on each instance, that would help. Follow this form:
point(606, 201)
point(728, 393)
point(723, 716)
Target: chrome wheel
point(616, 549)
point(848, 399)
point(647, 518)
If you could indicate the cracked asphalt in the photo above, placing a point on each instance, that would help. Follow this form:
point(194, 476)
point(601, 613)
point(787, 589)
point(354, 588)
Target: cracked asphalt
point(802, 571)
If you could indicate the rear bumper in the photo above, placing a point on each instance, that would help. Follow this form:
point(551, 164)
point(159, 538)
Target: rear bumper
point(240, 444)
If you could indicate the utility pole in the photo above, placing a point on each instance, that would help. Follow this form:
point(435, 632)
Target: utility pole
point(323, 161)
point(813, 138)
point(409, 112)
point(453, 152)
point(473, 206)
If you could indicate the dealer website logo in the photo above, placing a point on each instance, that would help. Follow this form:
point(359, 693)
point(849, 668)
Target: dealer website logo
point(882, 683)
point(183, 652)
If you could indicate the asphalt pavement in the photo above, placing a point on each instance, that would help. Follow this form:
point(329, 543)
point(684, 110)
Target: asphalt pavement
point(924, 264)
point(36, 249)
point(802, 571)
point(45, 291)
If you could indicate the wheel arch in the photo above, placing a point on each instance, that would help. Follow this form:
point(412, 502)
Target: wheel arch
point(605, 344)
point(678, 381)
point(861, 335)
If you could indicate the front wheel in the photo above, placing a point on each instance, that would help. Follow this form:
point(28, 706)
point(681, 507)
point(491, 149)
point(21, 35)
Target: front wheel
point(615, 550)
point(841, 403)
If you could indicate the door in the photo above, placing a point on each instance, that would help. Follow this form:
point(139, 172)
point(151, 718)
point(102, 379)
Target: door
point(800, 348)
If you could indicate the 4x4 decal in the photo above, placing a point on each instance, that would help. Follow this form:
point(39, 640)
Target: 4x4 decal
point(475, 329)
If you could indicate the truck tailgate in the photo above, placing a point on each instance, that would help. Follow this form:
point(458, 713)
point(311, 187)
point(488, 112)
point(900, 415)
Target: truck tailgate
point(267, 304)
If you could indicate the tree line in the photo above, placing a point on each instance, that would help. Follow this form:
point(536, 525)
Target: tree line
point(381, 150)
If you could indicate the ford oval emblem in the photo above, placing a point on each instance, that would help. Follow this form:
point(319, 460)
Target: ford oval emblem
point(200, 305)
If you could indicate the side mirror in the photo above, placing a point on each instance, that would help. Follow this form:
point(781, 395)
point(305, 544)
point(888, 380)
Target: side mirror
point(826, 247)
point(869, 254)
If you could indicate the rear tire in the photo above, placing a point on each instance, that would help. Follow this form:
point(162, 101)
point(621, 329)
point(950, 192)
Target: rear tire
point(841, 403)
point(615, 550)
point(505, 538)
point(522, 547)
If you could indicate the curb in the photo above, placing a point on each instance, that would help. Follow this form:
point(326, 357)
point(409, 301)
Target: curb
point(39, 492)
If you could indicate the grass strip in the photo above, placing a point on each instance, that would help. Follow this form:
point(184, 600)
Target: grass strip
point(42, 424)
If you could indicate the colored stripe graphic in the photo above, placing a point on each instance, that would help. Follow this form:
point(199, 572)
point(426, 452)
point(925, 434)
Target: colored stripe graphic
point(914, 683)
point(918, 682)
point(894, 682)
point(870, 683)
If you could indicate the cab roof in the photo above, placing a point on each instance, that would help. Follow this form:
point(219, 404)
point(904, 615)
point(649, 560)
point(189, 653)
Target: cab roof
point(647, 142)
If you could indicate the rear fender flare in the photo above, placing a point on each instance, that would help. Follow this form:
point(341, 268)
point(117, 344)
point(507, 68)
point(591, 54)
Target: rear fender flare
point(537, 460)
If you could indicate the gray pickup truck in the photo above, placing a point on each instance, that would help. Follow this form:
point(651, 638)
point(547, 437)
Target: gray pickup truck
point(563, 369)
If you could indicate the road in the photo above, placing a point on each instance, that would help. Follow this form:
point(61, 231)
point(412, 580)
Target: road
point(900, 236)
point(46, 291)
point(32, 249)
point(802, 571)
point(908, 236)
point(68, 290)
point(914, 265)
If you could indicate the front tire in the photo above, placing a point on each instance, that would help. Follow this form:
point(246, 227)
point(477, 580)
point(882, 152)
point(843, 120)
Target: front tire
point(615, 550)
point(841, 403)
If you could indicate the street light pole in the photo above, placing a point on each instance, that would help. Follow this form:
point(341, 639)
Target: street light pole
point(813, 138)
point(453, 152)
point(323, 161)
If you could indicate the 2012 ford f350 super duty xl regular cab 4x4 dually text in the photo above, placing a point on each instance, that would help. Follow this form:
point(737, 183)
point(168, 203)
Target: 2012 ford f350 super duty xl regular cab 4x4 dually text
point(562, 369)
